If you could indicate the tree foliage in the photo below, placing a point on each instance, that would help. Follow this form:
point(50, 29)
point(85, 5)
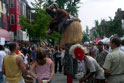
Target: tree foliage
point(99, 30)
point(108, 28)
point(41, 20)
point(114, 27)
point(86, 35)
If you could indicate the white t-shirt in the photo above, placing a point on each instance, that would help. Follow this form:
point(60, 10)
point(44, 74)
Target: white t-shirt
point(2, 55)
point(93, 66)
point(7, 51)
point(122, 48)
point(26, 59)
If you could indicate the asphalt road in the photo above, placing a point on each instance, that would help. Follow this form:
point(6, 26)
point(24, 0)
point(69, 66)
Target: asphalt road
point(60, 78)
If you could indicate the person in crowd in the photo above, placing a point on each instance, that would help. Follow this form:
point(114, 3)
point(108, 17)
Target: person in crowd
point(92, 68)
point(57, 58)
point(101, 54)
point(7, 51)
point(44, 67)
point(122, 45)
point(62, 55)
point(2, 55)
point(106, 47)
point(93, 51)
point(26, 60)
point(18, 51)
point(33, 54)
point(114, 62)
point(52, 52)
point(13, 66)
point(93, 72)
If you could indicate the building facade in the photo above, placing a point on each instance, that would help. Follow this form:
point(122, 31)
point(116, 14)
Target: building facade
point(17, 8)
point(4, 14)
point(14, 14)
point(120, 14)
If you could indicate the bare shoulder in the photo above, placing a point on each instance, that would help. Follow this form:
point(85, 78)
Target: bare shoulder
point(49, 60)
point(19, 59)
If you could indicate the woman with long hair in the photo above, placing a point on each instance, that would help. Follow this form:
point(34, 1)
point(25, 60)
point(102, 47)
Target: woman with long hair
point(44, 67)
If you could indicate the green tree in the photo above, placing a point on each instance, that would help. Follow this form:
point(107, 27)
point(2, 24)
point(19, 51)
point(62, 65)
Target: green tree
point(114, 27)
point(38, 29)
point(87, 30)
point(86, 35)
point(99, 29)
point(108, 28)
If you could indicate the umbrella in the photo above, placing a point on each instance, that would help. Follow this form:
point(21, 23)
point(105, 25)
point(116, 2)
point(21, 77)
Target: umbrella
point(5, 34)
point(104, 40)
point(99, 39)
point(122, 38)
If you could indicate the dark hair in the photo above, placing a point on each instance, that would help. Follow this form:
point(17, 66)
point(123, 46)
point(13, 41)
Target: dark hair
point(122, 42)
point(41, 56)
point(116, 41)
point(12, 47)
point(33, 48)
point(1, 47)
point(24, 51)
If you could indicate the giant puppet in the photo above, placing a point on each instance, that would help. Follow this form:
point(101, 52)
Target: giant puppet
point(71, 31)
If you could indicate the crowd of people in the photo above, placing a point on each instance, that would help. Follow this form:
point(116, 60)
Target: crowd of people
point(37, 62)
point(104, 63)
point(101, 64)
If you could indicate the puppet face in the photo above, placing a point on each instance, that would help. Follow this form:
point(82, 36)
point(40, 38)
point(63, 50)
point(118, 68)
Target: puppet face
point(51, 10)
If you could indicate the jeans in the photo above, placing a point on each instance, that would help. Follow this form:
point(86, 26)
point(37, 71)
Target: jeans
point(1, 78)
point(44, 79)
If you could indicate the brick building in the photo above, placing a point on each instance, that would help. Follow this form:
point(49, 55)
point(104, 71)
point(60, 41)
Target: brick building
point(4, 14)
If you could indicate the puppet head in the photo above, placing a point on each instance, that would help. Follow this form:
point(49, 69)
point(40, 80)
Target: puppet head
point(78, 51)
point(51, 10)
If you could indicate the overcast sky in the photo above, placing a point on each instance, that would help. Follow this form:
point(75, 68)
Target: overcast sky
point(92, 10)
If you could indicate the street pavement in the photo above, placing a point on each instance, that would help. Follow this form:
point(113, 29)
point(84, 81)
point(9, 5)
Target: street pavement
point(60, 78)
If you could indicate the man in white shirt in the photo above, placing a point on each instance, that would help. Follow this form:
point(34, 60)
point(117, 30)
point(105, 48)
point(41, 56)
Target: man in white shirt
point(92, 68)
point(114, 63)
point(2, 55)
point(122, 45)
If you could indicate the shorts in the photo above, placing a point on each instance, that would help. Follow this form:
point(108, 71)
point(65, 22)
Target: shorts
point(18, 82)
point(44, 79)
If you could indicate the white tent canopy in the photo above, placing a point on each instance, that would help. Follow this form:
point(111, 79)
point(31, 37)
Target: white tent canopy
point(107, 41)
point(104, 40)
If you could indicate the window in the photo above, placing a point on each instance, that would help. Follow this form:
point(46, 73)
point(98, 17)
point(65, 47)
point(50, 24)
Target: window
point(24, 9)
point(12, 19)
point(11, 3)
point(0, 6)
point(4, 9)
point(1, 20)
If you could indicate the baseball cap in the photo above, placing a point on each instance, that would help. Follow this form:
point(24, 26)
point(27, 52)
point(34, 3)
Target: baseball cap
point(100, 43)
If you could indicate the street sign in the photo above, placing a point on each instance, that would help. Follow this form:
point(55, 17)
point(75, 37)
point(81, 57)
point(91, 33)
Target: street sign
point(2, 41)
